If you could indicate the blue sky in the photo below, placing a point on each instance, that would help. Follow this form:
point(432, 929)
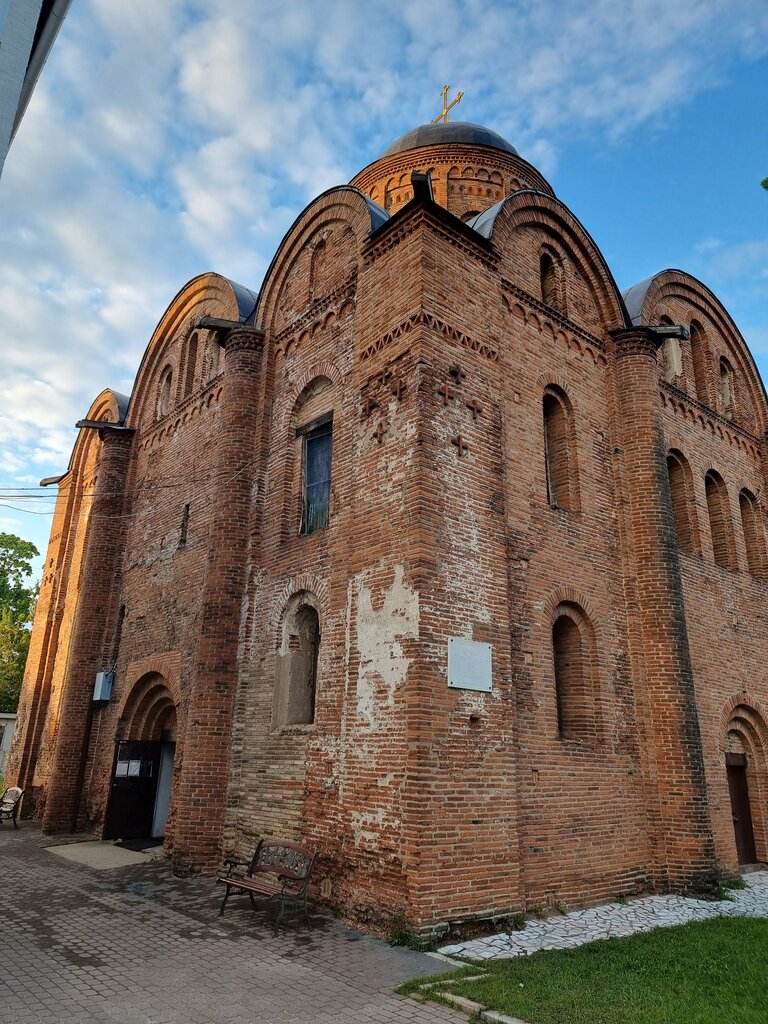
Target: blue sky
point(168, 138)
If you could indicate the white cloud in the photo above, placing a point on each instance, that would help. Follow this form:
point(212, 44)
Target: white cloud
point(170, 137)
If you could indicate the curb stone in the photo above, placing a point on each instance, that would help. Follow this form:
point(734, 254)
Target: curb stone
point(468, 1006)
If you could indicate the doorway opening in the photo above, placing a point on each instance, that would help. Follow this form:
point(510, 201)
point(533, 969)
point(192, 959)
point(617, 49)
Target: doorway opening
point(142, 776)
point(746, 771)
point(741, 811)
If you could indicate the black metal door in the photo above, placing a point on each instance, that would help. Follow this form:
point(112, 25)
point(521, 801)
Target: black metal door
point(134, 787)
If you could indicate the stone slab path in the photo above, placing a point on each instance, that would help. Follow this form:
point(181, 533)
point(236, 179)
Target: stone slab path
point(615, 919)
point(87, 944)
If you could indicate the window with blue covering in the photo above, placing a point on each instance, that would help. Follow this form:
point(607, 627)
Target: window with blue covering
point(317, 475)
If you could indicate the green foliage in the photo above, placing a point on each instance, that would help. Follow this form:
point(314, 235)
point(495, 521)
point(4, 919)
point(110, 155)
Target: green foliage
point(764, 183)
point(727, 885)
point(737, 882)
point(706, 972)
point(401, 935)
point(17, 606)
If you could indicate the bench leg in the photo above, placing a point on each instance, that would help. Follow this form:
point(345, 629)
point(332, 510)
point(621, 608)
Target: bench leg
point(224, 901)
point(279, 917)
point(306, 913)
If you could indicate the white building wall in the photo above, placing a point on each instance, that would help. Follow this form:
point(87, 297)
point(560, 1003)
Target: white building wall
point(7, 723)
point(18, 21)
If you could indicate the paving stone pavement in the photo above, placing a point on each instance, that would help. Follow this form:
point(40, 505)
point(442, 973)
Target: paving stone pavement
point(135, 945)
point(614, 919)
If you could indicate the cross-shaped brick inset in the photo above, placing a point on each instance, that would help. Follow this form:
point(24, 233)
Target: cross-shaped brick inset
point(398, 389)
point(447, 394)
point(369, 406)
point(385, 377)
point(457, 373)
point(460, 444)
point(379, 432)
point(474, 408)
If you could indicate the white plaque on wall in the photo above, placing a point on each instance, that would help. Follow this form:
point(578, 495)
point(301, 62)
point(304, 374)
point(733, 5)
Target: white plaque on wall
point(469, 665)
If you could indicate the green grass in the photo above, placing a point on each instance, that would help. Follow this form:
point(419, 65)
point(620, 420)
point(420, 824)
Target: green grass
point(708, 972)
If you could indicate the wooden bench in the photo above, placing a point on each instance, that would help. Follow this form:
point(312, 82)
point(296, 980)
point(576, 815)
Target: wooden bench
point(278, 872)
point(10, 802)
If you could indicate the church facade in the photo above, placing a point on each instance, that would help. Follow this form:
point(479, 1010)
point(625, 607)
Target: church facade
point(437, 554)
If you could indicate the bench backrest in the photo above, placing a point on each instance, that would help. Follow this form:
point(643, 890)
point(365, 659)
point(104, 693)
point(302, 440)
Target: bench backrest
point(10, 798)
point(288, 859)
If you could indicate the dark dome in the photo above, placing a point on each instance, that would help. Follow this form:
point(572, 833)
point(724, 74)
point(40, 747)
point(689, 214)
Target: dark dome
point(445, 134)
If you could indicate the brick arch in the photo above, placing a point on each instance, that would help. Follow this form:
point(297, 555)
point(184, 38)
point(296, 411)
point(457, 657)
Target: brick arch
point(568, 595)
point(529, 208)
point(208, 294)
point(747, 717)
point(319, 369)
point(676, 285)
point(146, 705)
point(746, 700)
point(343, 205)
point(305, 581)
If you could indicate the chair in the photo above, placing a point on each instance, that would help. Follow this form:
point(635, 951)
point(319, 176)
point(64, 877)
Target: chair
point(10, 802)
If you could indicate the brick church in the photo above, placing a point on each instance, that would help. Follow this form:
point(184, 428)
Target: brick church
point(437, 553)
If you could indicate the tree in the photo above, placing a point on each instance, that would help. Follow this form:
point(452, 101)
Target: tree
point(17, 605)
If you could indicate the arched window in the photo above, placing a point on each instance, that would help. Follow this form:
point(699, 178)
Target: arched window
point(574, 674)
point(191, 365)
point(559, 458)
point(469, 215)
point(700, 359)
point(719, 520)
point(164, 393)
point(727, 387)
point(753, 532)
point(682, 506)
point(296, 676)
point(549, 284)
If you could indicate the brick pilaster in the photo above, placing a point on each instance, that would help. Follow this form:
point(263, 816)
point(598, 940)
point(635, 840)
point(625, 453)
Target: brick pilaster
point(204, 779)
point(103, 557)
point(663, 676)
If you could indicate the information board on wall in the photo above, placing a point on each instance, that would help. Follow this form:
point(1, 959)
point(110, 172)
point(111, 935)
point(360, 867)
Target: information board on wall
point(469, 665)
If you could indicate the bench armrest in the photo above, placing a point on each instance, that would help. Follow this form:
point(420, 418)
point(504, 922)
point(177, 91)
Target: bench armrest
point(230, 864)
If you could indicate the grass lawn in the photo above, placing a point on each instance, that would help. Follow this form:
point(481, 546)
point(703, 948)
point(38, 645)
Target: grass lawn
point(707, 972)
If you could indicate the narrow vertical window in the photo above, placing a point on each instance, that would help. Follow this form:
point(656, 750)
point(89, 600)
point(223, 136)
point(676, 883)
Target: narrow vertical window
point(574, 691)
point(727, 389)
point(184, 528)
point(191, 365)
point(681, 504)
point(164, 393)
point(700, 356)
point(317, 477)
point(558, 453)
point(214, 358)
point(719, 520)
point(548, 275)
point(295, 695)
point(753, 533)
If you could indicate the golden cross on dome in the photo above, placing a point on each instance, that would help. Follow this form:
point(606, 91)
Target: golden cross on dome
point(446, 105)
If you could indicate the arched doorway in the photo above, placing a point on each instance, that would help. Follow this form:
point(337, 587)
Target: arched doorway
point(747, 770)
point(142, 777)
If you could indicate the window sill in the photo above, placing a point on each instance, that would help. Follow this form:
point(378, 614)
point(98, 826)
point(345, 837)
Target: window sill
point(297, 729)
